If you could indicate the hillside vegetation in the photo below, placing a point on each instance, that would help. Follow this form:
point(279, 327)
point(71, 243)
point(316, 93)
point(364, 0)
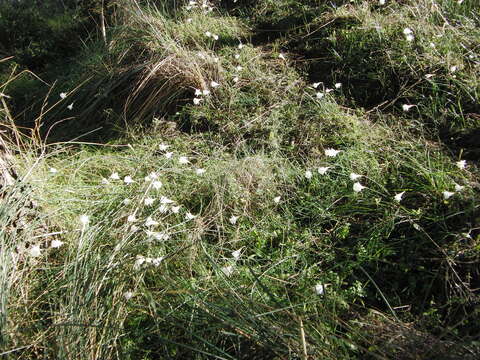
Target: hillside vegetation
point(268, 179)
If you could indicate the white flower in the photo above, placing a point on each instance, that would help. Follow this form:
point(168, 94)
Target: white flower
point(407, 31)
point(128, 180)
point(56, 244)
point(156, 261)
point(63, 95)
point(239, 68)
point(190, 216)
point(240, 46)
point(157, 184)
point(447, 194)
point(163, 147)
point(428, 76)
point(233, 220)
point(327, 90)
point(338, 85)
point(453, 68)
point(163, 208)
point(461, 164)
point(139, 262)
point(236, 254)
point(459, 187)
point(277, 199)
point(200, 171)
point(198, 92)
point(354, 176)
point(235, 79)
point(308, 174)
point(331, 152)
point(134, 228)
point(84, 219)
point(409, 37)
point(148, 201)
point(128, 295)
point(357, 187)
point(281, 56)
point(214, 84)
point(320, 95)
point(53, 170)
point(183, 160)
point(115, 176)
point(381, 2)
point(319, 289)
point(132, 218)
point(153, 175)
point(196, 101)
point(205, 92)
point(215, 36)
point(105, 181)
point(407, 107)
point(165, 200)
point(175, 209)
point(169, 155)
point(189, 20)
point(315, 85)
point(322, 170)
point(227, 270)
point(398, 197)
point(70, 107)
point(208, 34)
point(35, 251)
point(237, 56)
point(150, 222)
point(126, 201)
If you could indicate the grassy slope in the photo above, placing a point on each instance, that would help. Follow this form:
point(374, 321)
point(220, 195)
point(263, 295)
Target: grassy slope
point(390, 270)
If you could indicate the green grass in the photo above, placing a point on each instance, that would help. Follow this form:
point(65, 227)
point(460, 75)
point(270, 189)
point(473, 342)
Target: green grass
point(234, 271)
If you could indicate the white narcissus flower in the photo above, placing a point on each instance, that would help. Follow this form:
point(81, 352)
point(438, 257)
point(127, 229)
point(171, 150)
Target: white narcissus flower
point(235, 79)
point(236, 254)
point(459, 187)
point(407, 31)
point(105, 181)
point(239, 68)
point(149, 201)
point(357, 187)
point(153, 175)
point(308, 174)
point(237, 56)
point(205, 92)
point(150, 222)
point(198, 92)
point(157, 184)
point(163, 209)
point(56, 244)
point(409, 37)
point(338, 85)
point(240, 46)
point(165, 200)
point(84, 219)
point(320, 95)
point(322, 170)
point(277, 199)
point(447, 194)
point(128, 295)
point(139, 261)
point(183, 160)
point(196, 101)
point(208, 34)
point(281, 56)
point(354, 176)
point(381, 2)
point(115, 176)
point(128, 180)
point(332, 152)
point(63, 95)
point(53, 170)
point(407, 107)
point(214, 84)
point(126, 201)
point(461, 164)
point(453, 68)
point(70, 107)
point(200, 171)
point(190, 216)
point(315, 85)
point(319, 289)
point(233, 219)
point(215, 36)
point(163, 147)
point(169, 155)
point(131, 218)
point(175, 209)
point(157, 261)
point(398, 197)
point(35, 251)
point(227, 270)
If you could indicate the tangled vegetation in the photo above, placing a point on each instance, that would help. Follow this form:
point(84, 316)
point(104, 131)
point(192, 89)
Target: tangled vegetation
point(269, 179)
